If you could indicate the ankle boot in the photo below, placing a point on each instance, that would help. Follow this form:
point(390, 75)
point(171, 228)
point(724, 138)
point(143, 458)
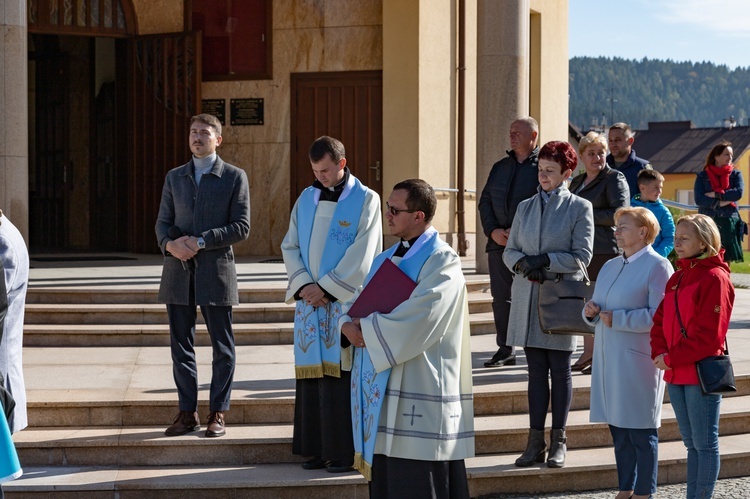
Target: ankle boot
point(535, 449)
point(557, 449)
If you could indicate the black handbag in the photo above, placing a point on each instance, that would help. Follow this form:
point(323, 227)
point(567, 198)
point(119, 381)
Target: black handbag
point(561, 302)
point(715, 373)
point(6, 399)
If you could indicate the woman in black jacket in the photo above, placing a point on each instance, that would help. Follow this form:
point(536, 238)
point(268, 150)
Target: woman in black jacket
point(607, 189)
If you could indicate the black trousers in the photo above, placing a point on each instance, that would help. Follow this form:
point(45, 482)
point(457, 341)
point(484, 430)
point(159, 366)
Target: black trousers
point(184, 367)
point(396, 478)
point(543, 364)
point(323, 418)
point(501, 280)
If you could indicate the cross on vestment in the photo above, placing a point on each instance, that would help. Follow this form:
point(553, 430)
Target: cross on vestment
point(413, 414)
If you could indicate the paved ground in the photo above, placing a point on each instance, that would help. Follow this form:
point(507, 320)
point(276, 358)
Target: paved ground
point(728, 488)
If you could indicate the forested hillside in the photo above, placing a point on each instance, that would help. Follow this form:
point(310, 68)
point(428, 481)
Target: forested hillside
point(656, 90)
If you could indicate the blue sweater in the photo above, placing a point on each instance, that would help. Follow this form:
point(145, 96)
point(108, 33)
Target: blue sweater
point(664, 241)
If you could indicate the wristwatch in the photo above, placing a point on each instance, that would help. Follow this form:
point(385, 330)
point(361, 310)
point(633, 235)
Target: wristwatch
point(201, 243)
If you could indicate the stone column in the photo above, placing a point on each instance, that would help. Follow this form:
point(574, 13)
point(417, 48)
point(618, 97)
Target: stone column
point(502, 87)
point(419, 85)
point(14, 140)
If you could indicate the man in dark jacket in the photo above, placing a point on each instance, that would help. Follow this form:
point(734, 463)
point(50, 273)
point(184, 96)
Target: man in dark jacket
point(622, 156)
point(512, 179)
point(205, 208)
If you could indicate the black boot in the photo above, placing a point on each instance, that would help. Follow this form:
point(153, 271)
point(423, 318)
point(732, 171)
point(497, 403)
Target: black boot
point(535, 449)
point(557, 449)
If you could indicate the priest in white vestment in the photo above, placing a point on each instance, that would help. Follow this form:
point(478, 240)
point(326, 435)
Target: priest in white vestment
point(335, 231)
point(425, 415)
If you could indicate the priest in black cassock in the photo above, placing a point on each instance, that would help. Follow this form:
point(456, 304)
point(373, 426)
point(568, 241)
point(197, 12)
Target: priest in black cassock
point(335, 231)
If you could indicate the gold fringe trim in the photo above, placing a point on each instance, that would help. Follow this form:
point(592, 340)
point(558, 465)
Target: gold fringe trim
point(330, 369)
point(305, 372)
point(361, 466)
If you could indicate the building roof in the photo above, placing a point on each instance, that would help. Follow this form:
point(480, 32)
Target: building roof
point(679, 147)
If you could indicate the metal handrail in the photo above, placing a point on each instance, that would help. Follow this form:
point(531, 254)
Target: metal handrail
point(448, 189)
point(692, 207)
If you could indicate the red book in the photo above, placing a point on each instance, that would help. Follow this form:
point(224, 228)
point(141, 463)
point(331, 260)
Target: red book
point(387, 289)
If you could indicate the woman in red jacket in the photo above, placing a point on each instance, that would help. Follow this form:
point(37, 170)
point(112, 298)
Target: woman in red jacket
point(701, 292)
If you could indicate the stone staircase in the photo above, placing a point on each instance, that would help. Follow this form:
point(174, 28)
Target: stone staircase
point(101, 394)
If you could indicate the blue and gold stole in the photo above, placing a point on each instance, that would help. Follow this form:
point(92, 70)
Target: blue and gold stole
point(317, 341)
point(368, 386)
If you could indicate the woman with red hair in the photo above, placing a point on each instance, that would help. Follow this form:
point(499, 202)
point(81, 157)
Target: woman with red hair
point(552, 233)
point(718, 188)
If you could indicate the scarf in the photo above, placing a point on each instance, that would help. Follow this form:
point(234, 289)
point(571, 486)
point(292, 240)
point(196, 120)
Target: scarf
point(317, 340)
point(719, 178)
point(368, 386)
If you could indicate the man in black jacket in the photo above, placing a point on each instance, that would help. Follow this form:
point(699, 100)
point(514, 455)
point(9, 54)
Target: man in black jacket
point(622, 156)
point(511, 180)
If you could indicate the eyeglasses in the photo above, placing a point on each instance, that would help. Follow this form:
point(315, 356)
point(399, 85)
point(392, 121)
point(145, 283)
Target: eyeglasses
point(396, 211)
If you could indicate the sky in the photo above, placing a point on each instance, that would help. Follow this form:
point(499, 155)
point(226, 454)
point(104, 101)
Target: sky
point(682, 30)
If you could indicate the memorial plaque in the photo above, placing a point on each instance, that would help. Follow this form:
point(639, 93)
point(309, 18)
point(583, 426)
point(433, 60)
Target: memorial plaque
point(217, 107)
point(246, 111)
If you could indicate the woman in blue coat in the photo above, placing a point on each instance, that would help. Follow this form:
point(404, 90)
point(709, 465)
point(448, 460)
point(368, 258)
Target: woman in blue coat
point(627, 390)
point(718, 189)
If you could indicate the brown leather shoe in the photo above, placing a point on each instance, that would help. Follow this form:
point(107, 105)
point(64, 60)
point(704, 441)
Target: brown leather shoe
point(215, 426)
point(184, 422)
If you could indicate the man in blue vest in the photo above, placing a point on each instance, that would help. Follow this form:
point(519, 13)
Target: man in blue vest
point(622, 156)
point(335, 231)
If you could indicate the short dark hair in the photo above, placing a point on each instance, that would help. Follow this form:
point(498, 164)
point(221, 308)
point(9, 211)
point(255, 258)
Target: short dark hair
point(326, 145)
point(561, 153)
point(646, 176)
point(208, 119)
point(421, 196)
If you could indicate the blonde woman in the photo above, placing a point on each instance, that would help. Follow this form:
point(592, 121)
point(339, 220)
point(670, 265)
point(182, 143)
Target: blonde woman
point(700, 296)
point(607, 190)
point(627, 390)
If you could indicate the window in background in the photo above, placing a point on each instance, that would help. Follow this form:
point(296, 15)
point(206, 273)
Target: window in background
point(236, 38)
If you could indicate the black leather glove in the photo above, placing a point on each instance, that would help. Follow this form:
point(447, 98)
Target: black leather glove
point(532, 262)
point(536, 275)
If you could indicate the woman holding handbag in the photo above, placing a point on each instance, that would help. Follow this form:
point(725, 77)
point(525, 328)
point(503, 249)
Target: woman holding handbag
point(628, 291)
point(552, 233)
point(690, 325)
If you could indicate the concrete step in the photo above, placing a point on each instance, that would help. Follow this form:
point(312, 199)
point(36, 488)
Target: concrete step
point(89, 445)
point(149, 334)
point(585, 469)
point(274, 292)
point(133, 386)
point(155, 313)
point(260, 289)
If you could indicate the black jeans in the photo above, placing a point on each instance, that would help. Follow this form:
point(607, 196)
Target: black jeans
point(541, 363)
point(501, 280)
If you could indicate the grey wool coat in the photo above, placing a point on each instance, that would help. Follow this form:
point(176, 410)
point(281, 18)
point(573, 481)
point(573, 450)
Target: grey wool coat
point(219, 211)
point(564, 229)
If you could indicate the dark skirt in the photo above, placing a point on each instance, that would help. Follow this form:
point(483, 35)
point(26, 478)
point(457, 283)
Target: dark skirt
point(729, 229)
point(395, 478)
point(323, 418)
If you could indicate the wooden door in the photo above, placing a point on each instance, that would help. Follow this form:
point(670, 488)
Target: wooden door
point(49, 182)
point(163, 93)
point(344, 105)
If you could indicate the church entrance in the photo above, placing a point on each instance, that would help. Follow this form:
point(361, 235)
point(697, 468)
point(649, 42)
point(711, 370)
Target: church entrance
point(108, 117)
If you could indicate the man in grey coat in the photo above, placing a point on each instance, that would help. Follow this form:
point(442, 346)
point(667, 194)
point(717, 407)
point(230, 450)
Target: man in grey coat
point(205, 208)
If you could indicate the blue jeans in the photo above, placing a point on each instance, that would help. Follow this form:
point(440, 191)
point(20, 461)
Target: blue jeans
point(637, 457)
point(698, 418)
